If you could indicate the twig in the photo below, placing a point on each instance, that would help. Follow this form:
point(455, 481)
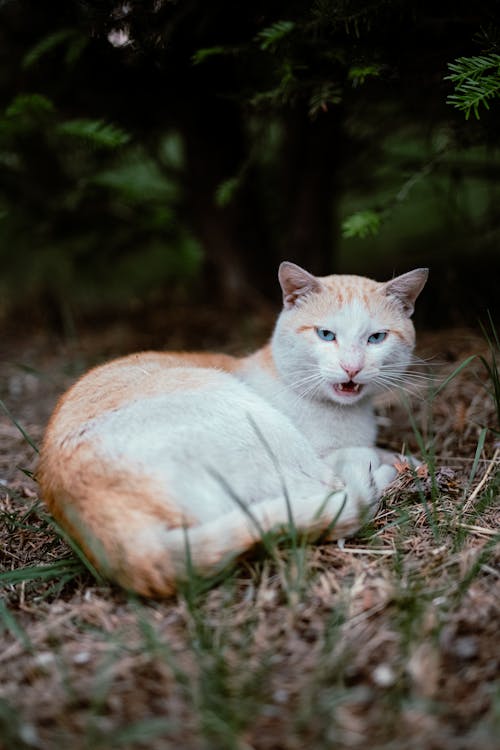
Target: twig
point(480, 530)
point(490, 570)
point(484, 480)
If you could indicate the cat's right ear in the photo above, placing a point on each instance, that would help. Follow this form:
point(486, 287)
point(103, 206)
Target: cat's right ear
point(406, 288)
point(296, 283)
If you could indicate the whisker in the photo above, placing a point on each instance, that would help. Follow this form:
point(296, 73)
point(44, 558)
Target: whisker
point(313, 388)
point(303, 381)
point(305, 386)
point(406, 373)
point(399, 367)
point(431, 361)
point(411, 378)
point(415, 377)
point(399, 387)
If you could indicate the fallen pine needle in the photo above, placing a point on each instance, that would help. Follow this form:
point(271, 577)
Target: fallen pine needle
point(368, 551)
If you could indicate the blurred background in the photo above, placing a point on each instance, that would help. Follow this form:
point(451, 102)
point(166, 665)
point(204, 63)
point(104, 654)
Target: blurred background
point(168, 153)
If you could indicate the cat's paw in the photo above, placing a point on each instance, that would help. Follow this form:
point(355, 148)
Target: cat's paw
point(384, 475)
point(365, 477)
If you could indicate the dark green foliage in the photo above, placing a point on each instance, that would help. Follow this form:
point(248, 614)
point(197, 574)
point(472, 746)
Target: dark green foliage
point(143, 142)
point(80, 194)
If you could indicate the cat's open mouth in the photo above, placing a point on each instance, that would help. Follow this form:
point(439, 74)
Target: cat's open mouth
point(348, 389)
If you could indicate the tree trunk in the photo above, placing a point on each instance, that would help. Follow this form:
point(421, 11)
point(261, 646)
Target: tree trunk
point(241, 260)
point(233, 236)
point(312, 158)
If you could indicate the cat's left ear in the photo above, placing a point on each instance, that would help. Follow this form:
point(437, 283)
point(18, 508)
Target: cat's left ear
point(296, 283)
point(407, 287)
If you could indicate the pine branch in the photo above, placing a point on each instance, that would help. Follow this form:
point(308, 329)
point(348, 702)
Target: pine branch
point(323, 95)
point(29, 105)
point(226, 191)
point(362, 224)
point(75, 44)
point(96, 132)
point(207, 53)
point(272, 35)
point(476, 80)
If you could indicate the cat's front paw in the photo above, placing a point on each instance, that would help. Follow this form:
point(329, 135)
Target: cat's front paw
point(363, 474)
point(384, 475)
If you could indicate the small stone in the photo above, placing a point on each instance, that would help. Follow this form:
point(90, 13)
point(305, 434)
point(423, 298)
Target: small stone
point(82, 657)
point(44, 658)
point(465, 647)
point(28, 735)
point(383, 675)
point(280, 696)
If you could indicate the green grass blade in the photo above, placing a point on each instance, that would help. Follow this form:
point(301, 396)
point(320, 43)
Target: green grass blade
point(454, 374)
point(69, 567)
point(80, 554)
point(491, 365)
point(11, 624)
point(477, 457)
point(23, 432)
point(284, 488)
point(239, 502)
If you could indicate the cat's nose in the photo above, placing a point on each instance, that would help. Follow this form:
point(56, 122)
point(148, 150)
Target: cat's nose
point(350, 370)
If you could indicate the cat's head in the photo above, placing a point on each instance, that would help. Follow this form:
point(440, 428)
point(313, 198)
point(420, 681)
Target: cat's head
point(343, 338)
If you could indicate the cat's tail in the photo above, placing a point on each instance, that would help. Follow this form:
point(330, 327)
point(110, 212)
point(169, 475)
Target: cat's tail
point(131, 540)
point(205, 549)
point(137, 536)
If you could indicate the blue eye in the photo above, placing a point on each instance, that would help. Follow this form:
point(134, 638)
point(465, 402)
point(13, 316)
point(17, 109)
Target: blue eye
point(377, 338)
point(325, 334)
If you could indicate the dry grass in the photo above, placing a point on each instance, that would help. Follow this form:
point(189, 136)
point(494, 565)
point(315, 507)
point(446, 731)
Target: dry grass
point(390, 642)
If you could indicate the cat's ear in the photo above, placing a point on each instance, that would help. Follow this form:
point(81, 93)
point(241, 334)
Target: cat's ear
point(407, 287)
point(296, 283)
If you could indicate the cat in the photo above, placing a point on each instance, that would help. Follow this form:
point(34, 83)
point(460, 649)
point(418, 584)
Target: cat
point(157, 463)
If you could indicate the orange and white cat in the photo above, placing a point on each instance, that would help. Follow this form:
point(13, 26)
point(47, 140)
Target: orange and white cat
point(158, 461)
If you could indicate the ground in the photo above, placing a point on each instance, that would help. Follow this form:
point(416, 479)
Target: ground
point(389, 641)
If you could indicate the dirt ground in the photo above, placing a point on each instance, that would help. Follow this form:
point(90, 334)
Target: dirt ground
point(391, 642)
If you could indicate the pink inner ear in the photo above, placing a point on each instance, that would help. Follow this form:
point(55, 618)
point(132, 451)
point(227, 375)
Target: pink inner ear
point(296, 282)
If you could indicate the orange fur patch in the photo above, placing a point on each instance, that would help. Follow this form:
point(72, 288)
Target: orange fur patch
point(107, 510)
point(303, 329)
point(109, 386)
point(263, 358)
